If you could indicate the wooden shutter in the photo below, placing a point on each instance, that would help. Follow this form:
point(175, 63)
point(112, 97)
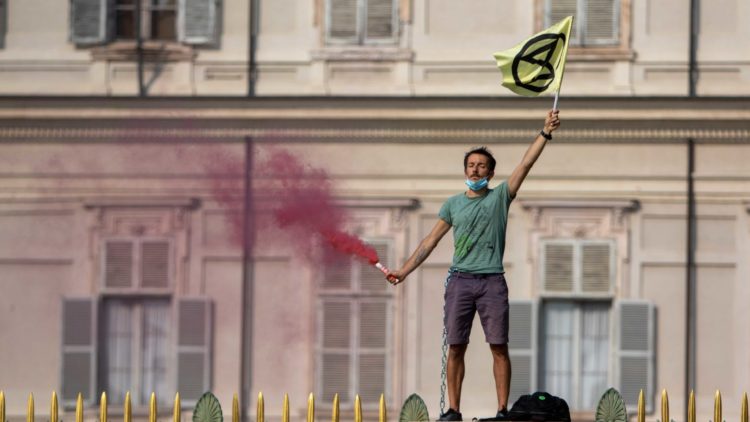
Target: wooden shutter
point(118, 263)
point(155, 259)
point(193, 348)
point(197, 21)
point(337, 274)
point(522, 347)
point(371, 279)
point(373, 349)
point(380, 19)
point(78, 349)
point(88, 21)
point(557, 10)
point(636, 351)
point(343, 20)
point(3, 21)
point(335, 316)
point(601, 22)
point(596, 270)
point(558, 267)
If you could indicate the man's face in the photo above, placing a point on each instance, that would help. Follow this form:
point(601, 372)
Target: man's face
point(477, 167)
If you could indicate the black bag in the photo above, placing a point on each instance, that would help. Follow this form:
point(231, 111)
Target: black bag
point(539, 406)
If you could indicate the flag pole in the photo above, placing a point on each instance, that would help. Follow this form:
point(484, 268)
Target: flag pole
point(557, 96)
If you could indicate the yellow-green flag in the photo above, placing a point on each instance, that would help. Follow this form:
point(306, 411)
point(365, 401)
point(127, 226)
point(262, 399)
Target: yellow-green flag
point(536, 65)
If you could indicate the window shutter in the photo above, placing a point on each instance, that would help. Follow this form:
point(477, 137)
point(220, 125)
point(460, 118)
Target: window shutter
point(636, 351)
point(381, 20)
point(78, 349)
point(118, 263)
point(336, 326)
point(602, 20)
point(155, 259)
point(193, 348)
point(557, 10)
point(3, 21)
point(373, 346)
point(558, 267)
point(197, 20)
point(88, 21)
point(371, 279)
point(522, 347)
point(337, 275)
point(342, 20)
point(596, 274)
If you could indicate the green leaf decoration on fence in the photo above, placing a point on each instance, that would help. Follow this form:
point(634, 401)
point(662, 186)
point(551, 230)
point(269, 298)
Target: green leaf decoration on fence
point(611, 407)
point(414, 410)
point(208, 409)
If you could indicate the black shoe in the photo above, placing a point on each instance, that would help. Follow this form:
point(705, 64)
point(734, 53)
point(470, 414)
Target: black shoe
point(502, 415)
point(450, 415)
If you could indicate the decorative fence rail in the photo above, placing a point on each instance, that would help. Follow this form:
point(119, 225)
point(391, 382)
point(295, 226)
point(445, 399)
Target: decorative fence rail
point(382, 417)
point(176, 413)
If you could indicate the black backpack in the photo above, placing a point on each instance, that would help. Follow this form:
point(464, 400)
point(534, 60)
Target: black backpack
point(539, 406)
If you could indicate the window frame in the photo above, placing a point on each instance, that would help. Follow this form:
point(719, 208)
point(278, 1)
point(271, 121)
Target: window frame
point(577, 289)
point(361, 39)
point(356, 296)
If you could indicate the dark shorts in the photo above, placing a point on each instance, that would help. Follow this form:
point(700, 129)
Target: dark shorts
point(469, 293)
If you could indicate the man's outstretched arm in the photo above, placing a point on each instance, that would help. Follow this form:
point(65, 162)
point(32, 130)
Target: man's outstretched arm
point(551, 123)
point(421, 253)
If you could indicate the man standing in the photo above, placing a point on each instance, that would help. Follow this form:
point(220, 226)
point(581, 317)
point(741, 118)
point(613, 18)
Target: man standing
point(476, 282)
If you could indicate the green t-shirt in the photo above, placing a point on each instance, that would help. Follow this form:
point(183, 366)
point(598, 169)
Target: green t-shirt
point(478, 229)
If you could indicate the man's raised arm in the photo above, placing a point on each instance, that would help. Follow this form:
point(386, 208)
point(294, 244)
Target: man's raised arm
point(551, 123)
point(421, 253)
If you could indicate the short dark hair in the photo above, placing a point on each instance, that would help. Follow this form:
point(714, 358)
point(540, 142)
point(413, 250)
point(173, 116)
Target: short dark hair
point(482, 151)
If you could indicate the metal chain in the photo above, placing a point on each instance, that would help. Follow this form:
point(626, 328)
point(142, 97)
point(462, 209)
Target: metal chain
point(444, 369)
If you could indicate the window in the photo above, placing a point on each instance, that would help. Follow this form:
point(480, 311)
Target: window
point(354, 332)
point(136, 263)
point(361, 22)
point(102, 21)
point(3, 21)
point(574, 267)
point(596, 22)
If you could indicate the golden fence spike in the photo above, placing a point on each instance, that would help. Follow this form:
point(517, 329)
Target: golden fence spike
point(357, 409)
point(691, 407)
point(260, 410)
point(177, 411)
point(285, 409)
point(743, 408)
point(311, 408)
point(128, 414)
point(382, 417)
point(641, 407)
point(664, 406)
point(335, 410)
point(152, 408)
point(717, 406)
point(103, 407)
point(2, 406)
point(235, 408)
point(79, 408)
point(52, 408)
point(30, 409)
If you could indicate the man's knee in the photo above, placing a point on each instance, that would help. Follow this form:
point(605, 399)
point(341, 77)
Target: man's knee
point(457, 351)
point(499, 351)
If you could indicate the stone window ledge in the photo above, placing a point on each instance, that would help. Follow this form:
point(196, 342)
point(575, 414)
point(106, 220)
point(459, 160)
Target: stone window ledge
point(363, 53)
point(594, 54)
point(152, 51)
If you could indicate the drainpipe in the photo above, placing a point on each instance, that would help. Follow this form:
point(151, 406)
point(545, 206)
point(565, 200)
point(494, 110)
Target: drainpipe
point(248, 238)
point(691, 281)
point(252, 71)
point(139, 46)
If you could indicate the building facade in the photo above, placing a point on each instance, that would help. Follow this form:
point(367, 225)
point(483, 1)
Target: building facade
point(127, 129)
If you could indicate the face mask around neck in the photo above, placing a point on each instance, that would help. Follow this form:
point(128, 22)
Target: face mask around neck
point(478, 185)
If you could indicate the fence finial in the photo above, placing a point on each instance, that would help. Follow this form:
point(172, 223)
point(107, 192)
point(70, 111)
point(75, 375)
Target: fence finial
point(664, 406)
point(103, 407)
point(152, 416)
point(260, 411)
point(177, 410)
point(52, 409)
point(641, 407)
point(30, 409)
point(285, 409)
point(311, 408)
point(128, 416)
point(79, 408)
point(382, 417)
point(235, 408)
point(335, 410)
point(717, 406)
point(357, 409)
point(691, 407)
point(743, 408)
point(2, 406)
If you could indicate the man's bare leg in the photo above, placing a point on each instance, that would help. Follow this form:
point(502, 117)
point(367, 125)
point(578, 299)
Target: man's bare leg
point(455, 374)
point(501, 370)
